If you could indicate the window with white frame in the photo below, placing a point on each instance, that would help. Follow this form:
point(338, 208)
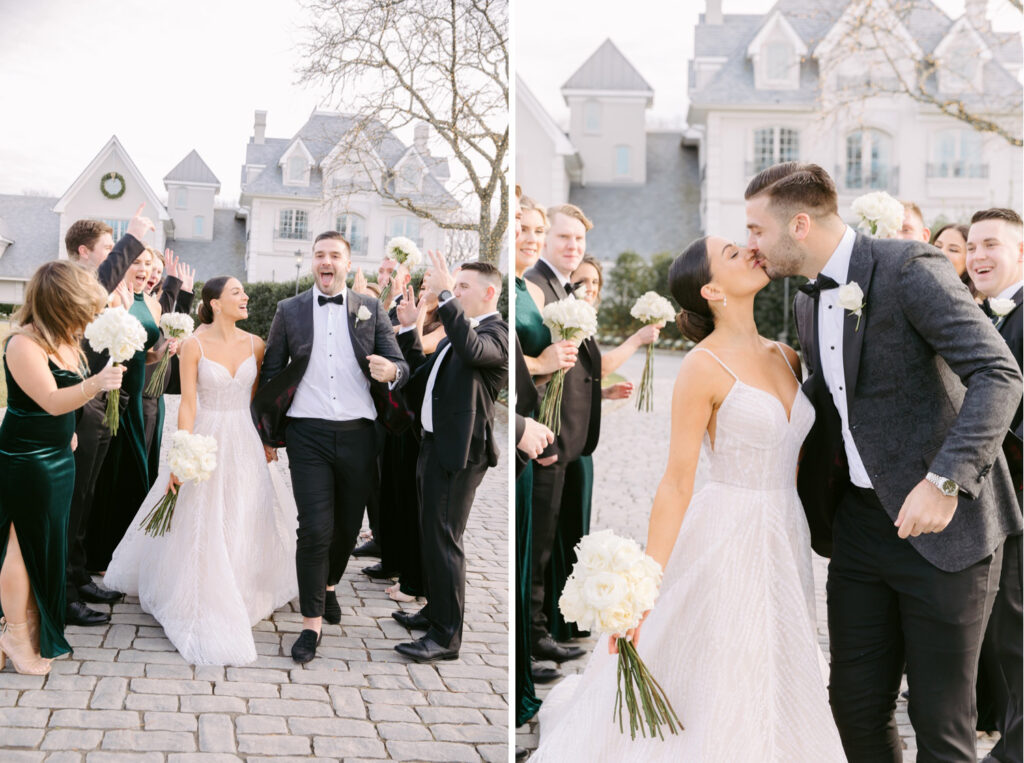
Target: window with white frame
point(197, 225)
point(869, 161)
point(622, 161)
point(353, 228)
point(773, 145)
point(297, 169)
point(410, 175)
point(408, 226)
point(181, 198)
point(957, 154)
point(293, 223)
point(592, 117)
point(778, 58)
point(120, 228)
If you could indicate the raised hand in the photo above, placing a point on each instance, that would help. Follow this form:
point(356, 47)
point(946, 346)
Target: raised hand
point(170, 263)
point(359, 282)
point(408, 311)
point(187, 274)
point(139, 226)
point(437, 278)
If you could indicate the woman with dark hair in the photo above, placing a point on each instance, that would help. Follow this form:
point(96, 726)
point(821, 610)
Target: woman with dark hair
point(951, 240)
point(732, 638)
point(227, 560)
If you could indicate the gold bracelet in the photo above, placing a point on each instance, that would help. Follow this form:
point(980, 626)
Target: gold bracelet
point(85, 394)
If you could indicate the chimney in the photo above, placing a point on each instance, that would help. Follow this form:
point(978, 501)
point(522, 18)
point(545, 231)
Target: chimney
point(259, 128)
point(421, 133)
point(976, 10)
point(713, 14)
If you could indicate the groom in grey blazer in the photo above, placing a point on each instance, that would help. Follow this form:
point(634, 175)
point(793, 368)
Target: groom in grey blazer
point(903, 479)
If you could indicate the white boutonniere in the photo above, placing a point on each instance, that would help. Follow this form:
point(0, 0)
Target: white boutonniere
point(851, 297)
point(362, 314)
point(474, 322)
point(1001, 307)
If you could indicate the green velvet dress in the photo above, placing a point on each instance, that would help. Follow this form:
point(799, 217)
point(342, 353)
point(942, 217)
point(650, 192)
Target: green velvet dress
point(37, 477)
point(123, 481)
point(533, 337)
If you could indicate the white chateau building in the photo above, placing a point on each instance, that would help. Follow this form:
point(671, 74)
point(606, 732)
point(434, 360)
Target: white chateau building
point(786, 85)
point(292, 188)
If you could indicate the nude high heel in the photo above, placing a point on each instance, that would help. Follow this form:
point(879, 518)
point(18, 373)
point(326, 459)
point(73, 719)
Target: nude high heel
point(16, 643)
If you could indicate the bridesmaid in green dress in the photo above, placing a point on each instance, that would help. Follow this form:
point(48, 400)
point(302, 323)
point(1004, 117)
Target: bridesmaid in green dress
point(574, 515)
point(37, 468)
point(124, 480)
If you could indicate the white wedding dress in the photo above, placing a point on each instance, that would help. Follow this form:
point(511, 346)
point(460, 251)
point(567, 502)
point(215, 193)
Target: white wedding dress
point(731, 638)
point(228, 559)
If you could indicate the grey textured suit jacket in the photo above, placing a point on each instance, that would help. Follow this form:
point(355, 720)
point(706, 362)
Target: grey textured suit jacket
point(930, 385)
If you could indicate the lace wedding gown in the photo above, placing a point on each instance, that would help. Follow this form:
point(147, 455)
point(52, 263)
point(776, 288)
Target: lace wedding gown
point(731, 638)
point(228, 560)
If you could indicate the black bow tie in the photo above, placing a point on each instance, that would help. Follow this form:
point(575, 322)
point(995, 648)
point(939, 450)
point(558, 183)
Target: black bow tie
point(338, 299)
point(820, 284)
point(572, 288)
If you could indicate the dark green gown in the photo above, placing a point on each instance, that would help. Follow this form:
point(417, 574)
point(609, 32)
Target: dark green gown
point(37, 477)
point(534, 337)
point(123, 482)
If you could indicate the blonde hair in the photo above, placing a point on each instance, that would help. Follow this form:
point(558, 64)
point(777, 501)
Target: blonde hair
point(156, 254)
point(527, 204)
point(61, 299)
point(569, 210)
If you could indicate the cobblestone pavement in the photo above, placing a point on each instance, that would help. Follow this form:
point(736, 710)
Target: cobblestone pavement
point(628, 465)
point(126, 695)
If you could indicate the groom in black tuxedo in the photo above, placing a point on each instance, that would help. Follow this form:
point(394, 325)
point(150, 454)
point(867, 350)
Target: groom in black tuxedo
point(903, 477)
point(995, 262)
point(454, 390)
point(331, 356)
point(581, 418)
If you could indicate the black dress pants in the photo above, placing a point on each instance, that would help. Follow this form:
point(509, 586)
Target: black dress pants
point(332, 465)
point(888, 608)
point(445, 501)
point(93, 444)
point(548, 484)
point(1005, 629)
point(400, 512)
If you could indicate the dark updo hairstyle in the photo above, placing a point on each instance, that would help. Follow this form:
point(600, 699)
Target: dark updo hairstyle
point(212, 289)
point(688, 273)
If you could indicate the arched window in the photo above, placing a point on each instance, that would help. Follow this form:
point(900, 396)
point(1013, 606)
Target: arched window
point(353, 228)
point(869, 161)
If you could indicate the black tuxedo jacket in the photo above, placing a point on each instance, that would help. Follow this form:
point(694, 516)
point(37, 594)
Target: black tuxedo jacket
point(471, 375)
point(110, 273)
point(289, 345)
point(1011, 328)
point(581, 399)
point(930, 386)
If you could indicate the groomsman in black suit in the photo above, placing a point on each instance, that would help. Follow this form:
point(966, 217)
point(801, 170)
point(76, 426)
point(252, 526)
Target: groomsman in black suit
point(90, 243)
point(581, 417)
point(995, 253)
point(454, 391)
point(331, 354)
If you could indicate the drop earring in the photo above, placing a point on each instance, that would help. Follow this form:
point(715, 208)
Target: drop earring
point(725, 301)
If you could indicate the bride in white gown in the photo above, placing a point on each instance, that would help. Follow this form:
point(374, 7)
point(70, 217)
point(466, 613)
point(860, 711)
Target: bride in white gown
point(228, 560)
point(732, 637)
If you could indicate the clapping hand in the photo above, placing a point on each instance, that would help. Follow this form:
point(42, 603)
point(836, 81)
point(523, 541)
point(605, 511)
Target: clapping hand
point(139, 226)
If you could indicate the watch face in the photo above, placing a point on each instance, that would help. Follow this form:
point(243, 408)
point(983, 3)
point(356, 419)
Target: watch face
point(949, 487)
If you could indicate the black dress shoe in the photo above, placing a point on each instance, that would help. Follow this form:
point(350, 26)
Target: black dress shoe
point(547, 649)
point(304, 648)
point(378, 572)
point(332, 610)
point(94, 594)
point(522, 753)
point(426, 650)
point(411, 620)
point(370, 548)
point(79, 614)
point(543, 674)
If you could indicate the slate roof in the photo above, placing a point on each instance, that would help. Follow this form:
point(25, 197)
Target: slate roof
point(321, 133)
point(224, 256)
point(34, 227)
point(607, 69)
point(663, 215)
point(191, 169)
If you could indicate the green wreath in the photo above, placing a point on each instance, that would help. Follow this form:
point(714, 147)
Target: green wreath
point(112, 176)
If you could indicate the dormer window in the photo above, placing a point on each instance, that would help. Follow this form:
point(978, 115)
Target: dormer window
point(296, 164)
point(961, 57)
point(296, 169)
point(776, 52)
point(410, 176)
point(778, 57)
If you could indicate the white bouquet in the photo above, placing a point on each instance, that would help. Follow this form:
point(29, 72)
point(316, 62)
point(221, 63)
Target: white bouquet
point(880, 214)
point(119, 333)
point(192, 458)
point(174, 326)
point(648, 309)
point(571, 319)
point(611, 586)
point(406, 252)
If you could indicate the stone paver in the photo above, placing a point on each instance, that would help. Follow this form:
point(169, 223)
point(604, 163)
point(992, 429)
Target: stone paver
point(126, 695)
point(628, 465)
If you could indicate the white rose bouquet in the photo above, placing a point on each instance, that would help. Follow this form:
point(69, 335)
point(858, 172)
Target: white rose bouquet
point(406, 252)
point(119, 333)
point(648, 309)
point(174, 326)
point(880, 214)
point(192, 458)
point(571, 319)
point(611, 586)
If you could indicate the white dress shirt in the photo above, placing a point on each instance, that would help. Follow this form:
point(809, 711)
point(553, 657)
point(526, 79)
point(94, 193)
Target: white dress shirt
point(831, 322)
point(1009, 291)
point(333, 387)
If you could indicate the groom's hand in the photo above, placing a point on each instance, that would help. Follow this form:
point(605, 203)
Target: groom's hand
point(382, 369)
point(926, 510)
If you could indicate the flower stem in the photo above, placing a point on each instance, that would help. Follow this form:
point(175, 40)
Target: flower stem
point(155, 387)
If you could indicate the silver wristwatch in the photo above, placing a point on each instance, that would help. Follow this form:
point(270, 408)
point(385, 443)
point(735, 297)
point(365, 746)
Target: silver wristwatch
point(944, 484)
